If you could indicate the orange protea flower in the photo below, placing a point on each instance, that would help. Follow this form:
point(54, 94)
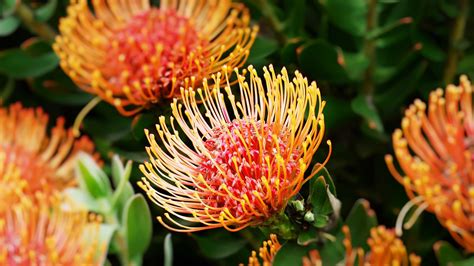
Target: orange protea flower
point(266, 253)
point(385, 249)
point(132, 54)
point(248, 156)
point(26, 151)
point(435, 151)
point(45, 232)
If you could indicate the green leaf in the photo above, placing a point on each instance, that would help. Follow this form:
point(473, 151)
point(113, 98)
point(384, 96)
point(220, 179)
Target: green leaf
point(320, 60)
point(262, 48)
point(45, 12)
point(307, 237)
point(466, 262)
point(91, 177)
point(360, 220)
point(466, 64)
point(430, 49)
point(327, 177)
point(320, 221)
point(7, 89)
point(219, 244)
point(355, 65)
point(294, 18)
point(140, 122)
point(82, 197)
point(349, 16)
point(17, 63)
point(337, 112)
point(367, 110)
point(57, 88)
point(318, 197)
point(8, 7)
point(8, 25)
point(120, 176)
point(168, 250)
point(138, 227)
point(119, 171)
point(106, 231)
point(446, 253)
point(290, 254)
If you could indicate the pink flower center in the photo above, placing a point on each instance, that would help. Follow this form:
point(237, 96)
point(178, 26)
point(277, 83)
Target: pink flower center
point(153, 48)
point(243, 155)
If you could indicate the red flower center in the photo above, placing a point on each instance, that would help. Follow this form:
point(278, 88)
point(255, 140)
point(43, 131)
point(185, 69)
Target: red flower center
point(251, 159)
point(153, 48)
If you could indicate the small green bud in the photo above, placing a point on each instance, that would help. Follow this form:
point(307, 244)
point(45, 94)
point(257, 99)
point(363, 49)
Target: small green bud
point(298, 205)
point(309, 217)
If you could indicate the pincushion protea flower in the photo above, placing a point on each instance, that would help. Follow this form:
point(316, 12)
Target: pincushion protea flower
point(385, 249)
point(247, 157)
point(266, 253)
point(435, 151)
point(132, 54)
point(43, 232)
point(27, 151)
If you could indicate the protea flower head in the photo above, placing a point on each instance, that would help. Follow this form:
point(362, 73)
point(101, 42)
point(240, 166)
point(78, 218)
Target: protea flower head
point(266, 253)
point(28, 151)
point(385, 249)
point(43, 230)
point(246, 156)
point(434, 148)
point(132, 54)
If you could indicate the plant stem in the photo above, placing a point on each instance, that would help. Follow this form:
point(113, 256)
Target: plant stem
point(369, 50)
point(457, 35)
point(119, 239)
point(27, 17)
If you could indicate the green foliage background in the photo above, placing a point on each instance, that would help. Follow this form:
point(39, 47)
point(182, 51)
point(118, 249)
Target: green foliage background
point(370, 58)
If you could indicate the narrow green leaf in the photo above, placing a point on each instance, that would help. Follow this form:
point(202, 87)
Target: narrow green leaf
point(360, 220)
point(219, 244)
point(46, 11)
point(318, 197)
point(320, 60)
point(465, 262)
point(368, 111)
point(8, 7)
point(168, 250)
point(136, 219)
point(355, 65)
point(349, 16)
point(8, 25)
point(18, 63)
point(140, 122)
point(106, 232)
point(307, 237)
point(262, 48)
point(7, 89)
point(320, 221)
point(81, 197)
point(290, 254)
point(446, 253)
point(122, 190)
point(91, 177)
point(117, 170)
point(327, 177)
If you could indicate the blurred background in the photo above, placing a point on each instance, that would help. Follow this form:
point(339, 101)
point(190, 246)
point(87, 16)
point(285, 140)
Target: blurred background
point(370, 58)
